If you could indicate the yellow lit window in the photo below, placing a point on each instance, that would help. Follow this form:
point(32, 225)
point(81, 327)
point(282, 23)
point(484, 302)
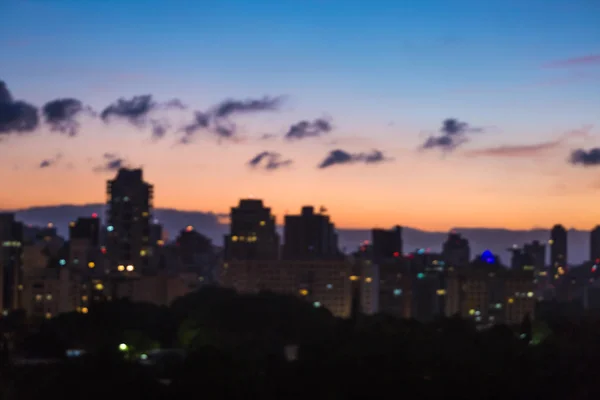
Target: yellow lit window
point(303, 292)
point(234, 238)
point(511, 300)
point(84, 310)
point(441, 292)
point(91, 264)
point(38, 297)
point(262, 223)
point(48, 297)
point(84, 298)
point(121, 268)
point(99, 286)
point(368, 279)
point(48, 315)
point(353, 278)
point(143, 253)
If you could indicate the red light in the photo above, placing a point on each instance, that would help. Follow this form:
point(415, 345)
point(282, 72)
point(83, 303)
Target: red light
point(597, 260)
point(94, 215)
point(103, 250)
point(411, 256)
point(396, 254)
point(363, 248)
point(594, 268)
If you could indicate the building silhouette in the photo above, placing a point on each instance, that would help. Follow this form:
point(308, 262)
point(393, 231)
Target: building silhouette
point(309, 236)
point(595, 245)
point(11, 242)
point(387, 244)
point(558, 251)
point(536, 251)
point(456, 251)
point(128, 216)
point(84, 244)
point(253, 234)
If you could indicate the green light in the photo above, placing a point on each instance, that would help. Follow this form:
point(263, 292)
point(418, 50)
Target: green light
point(123, 347)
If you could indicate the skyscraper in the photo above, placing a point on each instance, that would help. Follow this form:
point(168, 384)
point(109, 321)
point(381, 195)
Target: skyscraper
point(11, 246)
point(387, 244)
point(128, 216)
point(253, 234)
point(536, 252)
point(558, 250)
point(309, 236)
point(456, 250)
point(595, 244)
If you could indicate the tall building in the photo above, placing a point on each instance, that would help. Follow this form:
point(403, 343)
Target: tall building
point(537, 253)
point(84, 244)
point(11, 242)
point(558, 251)
point(595, 244)
point(309, 236)
point(456, 250)
point(387, 244)
point(253, 234)
point(128, 221)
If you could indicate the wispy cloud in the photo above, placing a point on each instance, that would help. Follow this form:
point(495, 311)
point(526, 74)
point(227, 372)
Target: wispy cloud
point(588, 60)
point(453, 134)
point(531, 150)
point(269, 160)
point(308, 129)
point(112, 162)
point(342, 157)
point(49, 162)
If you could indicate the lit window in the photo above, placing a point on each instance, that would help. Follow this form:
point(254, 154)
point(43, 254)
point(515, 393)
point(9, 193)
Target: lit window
point(130, 268)
point(121, 268)
point(48, 297)
point(38, 297)
point(397, 292)
point(262, 223)
point(99, 286)
point(234, 238)
point(160, 242)
point(48, 315)
point(84, 310)
point(472, 311)
point(353, 278)
point(368, 279)
point(303, 292)
point(91, 264)
point(143, 253)
point(62, 261)
point(72, 224)
point(529, 294)
point(511, 300)
point(317, 304)
point(110, 228)
point(84, 298)
point(20, 287)
point(441, 292)
point(144, 214)
point(329, 286)
point(189, 228)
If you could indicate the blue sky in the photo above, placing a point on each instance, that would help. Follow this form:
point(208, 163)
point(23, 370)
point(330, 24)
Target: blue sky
point(384, 71)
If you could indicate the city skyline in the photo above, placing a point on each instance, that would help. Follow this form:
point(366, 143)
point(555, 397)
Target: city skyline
point(381, 94)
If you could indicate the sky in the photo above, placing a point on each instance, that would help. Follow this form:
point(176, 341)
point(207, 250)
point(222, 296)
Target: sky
point(430, 114)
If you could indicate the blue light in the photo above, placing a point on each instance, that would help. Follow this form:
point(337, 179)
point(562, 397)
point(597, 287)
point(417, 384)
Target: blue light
point(317, 304)
point(420, 275)
point(110, 228)
point(488, 257)
point(62, 262)
point(329, 286)
point(397, 292)
point(421, 251)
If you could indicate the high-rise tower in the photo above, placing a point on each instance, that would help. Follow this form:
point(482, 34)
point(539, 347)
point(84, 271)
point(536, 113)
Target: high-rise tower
point(128, 216)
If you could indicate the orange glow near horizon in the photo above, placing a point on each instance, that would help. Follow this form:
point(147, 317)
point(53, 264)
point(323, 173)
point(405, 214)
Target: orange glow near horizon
point(421, 190)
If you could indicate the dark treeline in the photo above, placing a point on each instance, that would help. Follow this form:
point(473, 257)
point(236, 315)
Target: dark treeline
point(236, 349)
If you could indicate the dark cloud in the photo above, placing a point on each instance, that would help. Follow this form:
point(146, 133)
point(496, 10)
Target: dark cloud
point(338, 156)
point(60, 115)
point(217, 119)
point(306, 129)
point(269, 160)
point(230, 107)
point(137, 111)
point(587, 158)
point(453, 134)
point(49, 162)
point(16, 116)
point(112, 162)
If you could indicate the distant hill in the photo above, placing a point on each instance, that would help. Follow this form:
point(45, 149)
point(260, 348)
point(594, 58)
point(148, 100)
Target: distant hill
point(496, 240)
